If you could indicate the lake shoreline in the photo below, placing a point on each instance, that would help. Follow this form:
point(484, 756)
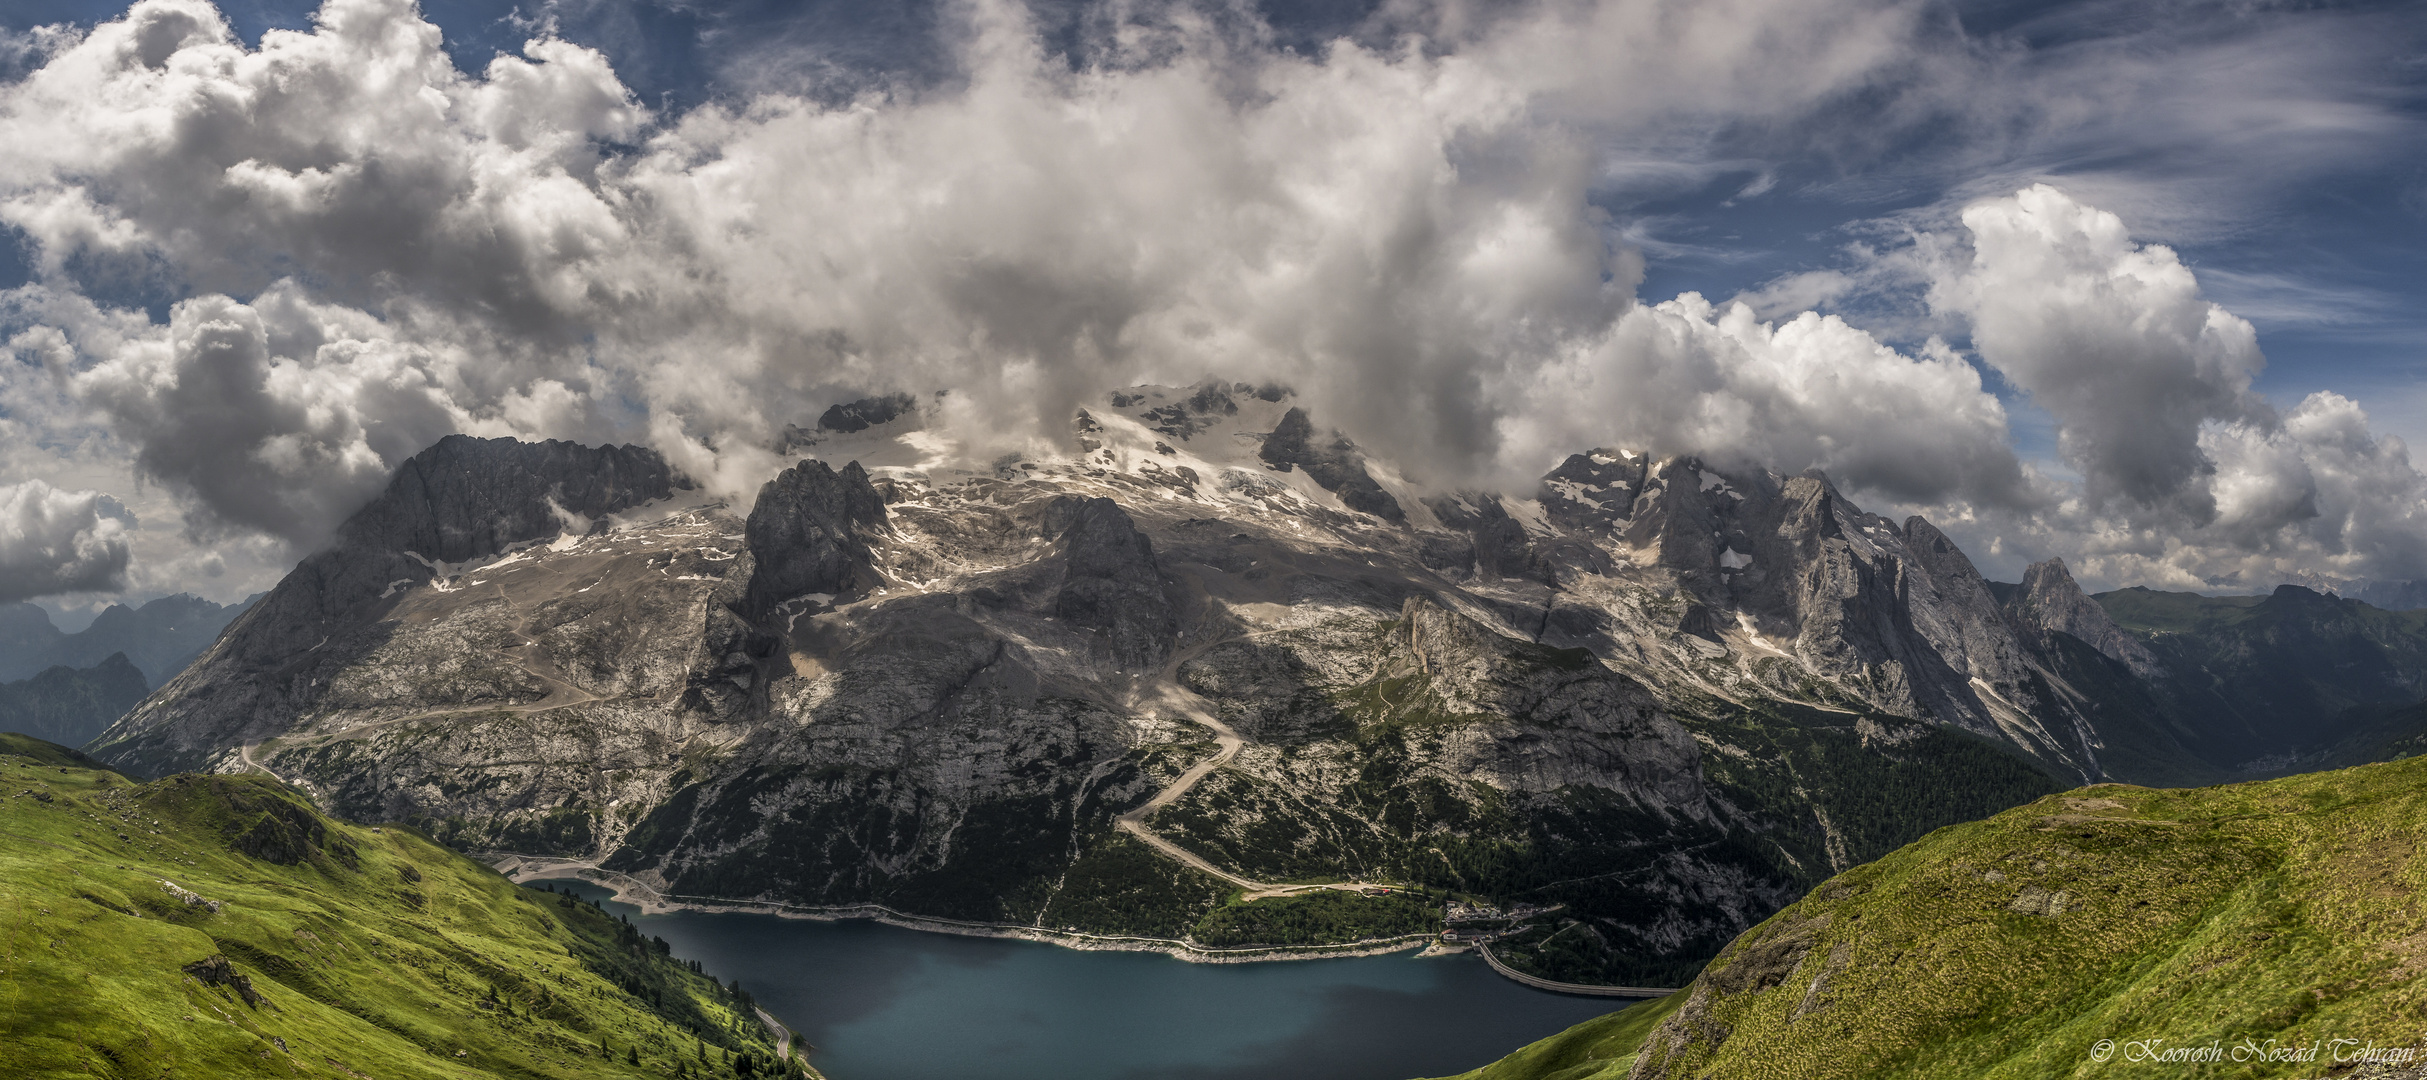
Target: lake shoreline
point(627, 889)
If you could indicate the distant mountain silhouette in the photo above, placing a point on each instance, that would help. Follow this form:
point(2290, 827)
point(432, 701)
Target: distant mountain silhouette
point(68, 705)
point(159, 639)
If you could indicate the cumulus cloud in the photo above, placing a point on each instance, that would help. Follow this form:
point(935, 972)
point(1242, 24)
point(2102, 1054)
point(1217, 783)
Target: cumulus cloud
point(1809, 392)
point(368, 248)
point(1389, 227)
point(2188, 478)
point(2112, 337)
point(54, 541)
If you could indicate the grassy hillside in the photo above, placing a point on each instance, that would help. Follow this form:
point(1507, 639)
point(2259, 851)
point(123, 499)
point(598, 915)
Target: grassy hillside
point(215, 926)
point(2292, 910)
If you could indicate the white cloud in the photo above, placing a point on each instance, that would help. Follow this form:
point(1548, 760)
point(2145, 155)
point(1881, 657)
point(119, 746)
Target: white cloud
point(424, 248)
point(2188, 478)
point(1812, 391)
point(374, 248)
point(2112, 338)
point(54, 541)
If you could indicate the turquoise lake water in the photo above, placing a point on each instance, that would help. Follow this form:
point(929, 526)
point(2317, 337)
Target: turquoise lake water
point(883, 1003)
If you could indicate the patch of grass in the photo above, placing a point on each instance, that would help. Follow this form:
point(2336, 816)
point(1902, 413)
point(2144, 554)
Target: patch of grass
point(365, 951)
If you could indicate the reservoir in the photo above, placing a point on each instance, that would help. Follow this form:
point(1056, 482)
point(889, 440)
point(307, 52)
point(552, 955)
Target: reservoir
point(884, 1003)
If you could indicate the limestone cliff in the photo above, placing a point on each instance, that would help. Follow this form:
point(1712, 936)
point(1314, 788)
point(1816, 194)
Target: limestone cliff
point(1664, 693)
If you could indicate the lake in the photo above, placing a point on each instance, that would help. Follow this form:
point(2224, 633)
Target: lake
point(883, 1003)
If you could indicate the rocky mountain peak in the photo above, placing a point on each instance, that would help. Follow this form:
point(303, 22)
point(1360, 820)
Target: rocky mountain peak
point(2049, 601)
point(849, 416)
point(466, 498)
point(1333, 462)
point(808, 533)
point(1593, 491)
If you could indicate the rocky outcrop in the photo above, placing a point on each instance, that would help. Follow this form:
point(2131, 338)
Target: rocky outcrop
point(466, 498)
point(1110, 585)
point(214, 970)
point(1333, 463)
point(1494, 545)
point(845, 417)
point(1593, 492)
point(2049, 602)
point(460, 501)
point(809, 532)
point(1544, 718)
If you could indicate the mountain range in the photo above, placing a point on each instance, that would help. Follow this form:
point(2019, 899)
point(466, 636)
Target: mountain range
point(1178, 681)
point(68, 705)
point(159, 638)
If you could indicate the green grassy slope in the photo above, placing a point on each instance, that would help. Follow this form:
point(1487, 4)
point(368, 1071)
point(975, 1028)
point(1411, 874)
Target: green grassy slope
point(2292, 909)
point(367, 952)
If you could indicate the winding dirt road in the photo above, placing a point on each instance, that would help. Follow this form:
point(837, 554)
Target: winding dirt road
point(1228, 743)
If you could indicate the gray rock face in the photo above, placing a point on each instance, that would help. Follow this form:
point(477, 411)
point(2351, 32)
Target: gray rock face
point(809, 532)
point(2050, 601)
point(850, 416)
point(1762, 565)
point(1494, 546)
point(1190, 416)
point(1110, 585)
point(465, 498)
point(1332, 463)
point(1593, 492)
point(1587, 688)
point(1549, 718)
point(461, 500)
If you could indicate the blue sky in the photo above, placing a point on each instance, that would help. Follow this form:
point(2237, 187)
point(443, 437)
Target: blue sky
point(1823, 157)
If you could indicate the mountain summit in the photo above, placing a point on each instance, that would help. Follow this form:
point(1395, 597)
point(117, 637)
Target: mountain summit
point(1217, 650)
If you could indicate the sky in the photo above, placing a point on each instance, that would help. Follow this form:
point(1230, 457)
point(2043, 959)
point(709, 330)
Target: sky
point(2138, 285)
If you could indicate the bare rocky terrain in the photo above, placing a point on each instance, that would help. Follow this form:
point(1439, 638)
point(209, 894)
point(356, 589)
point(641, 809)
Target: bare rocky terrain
point(1664, 694)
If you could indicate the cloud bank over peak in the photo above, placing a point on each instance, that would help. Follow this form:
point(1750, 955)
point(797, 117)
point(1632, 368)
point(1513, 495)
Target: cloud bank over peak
point(265, 275)
point(373, 247)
